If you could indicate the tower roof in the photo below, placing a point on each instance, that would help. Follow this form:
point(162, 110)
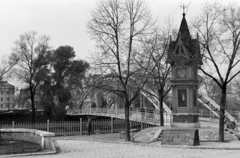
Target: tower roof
point(183, 32)
point(184, 49)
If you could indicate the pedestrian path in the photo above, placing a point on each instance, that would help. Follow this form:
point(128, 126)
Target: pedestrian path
point(90, 147)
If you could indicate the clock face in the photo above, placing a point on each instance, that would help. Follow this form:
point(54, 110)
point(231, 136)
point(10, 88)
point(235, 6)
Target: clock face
point(181, 73)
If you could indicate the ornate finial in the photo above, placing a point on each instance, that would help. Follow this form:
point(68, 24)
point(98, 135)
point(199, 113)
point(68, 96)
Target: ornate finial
point(183, 7)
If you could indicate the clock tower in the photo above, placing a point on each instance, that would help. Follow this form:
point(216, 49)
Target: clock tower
point(185, 58)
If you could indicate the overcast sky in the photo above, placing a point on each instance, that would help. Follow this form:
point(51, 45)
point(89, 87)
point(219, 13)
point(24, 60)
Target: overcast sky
point(65, 20)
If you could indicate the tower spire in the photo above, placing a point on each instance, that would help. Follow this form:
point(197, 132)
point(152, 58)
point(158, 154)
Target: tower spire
point(183, 6)
point(184, 33)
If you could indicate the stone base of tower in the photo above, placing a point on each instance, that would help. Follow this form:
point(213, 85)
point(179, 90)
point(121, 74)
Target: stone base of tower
point(187, 120)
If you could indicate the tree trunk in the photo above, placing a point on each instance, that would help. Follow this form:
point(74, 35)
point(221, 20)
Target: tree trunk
point(33, 108)
point(161, 112)
point(127, 125)
point(222, 114)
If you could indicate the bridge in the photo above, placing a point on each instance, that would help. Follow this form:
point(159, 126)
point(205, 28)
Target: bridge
point(212, 107)
point(152, 97)
point(146, 116)
point(152, 115)
point(208, 117)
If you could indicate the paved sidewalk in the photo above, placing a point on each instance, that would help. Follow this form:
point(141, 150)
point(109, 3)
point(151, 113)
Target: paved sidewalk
point(103, 146)
point(115, 138)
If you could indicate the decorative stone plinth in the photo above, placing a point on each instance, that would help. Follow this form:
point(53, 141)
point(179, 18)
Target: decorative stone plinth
point(185, 120)
point(180, 136)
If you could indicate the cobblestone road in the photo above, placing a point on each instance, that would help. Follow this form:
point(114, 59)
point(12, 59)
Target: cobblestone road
point(96, 149)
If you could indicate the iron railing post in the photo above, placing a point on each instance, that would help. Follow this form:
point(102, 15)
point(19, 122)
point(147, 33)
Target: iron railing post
point(47, 125)
point(80, 126)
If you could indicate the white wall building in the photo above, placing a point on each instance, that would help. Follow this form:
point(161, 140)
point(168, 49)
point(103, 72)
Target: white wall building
point(6, 96)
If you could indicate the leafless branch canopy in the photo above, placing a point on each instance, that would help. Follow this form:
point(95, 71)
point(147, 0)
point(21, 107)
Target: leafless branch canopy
point(118, 26)
point(219, 30)
point(31, 52)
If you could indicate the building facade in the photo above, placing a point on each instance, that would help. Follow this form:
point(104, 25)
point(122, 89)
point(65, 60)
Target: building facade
point(6, 96)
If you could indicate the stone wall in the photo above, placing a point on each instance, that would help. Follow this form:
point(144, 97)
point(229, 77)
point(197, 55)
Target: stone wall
point(29, 137)
point(36, 136)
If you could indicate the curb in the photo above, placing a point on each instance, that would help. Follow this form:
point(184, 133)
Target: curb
point(56, 149)
point(199, 147)
point(157, 146)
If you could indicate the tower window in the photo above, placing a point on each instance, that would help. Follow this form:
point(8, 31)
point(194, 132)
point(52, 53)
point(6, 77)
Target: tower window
point(182, 97)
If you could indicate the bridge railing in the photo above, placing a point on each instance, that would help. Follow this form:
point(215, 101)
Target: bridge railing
point(117, 111)
point(134, 114)
point(142, 113)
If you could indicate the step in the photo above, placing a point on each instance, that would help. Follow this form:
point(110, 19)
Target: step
point(160, 137)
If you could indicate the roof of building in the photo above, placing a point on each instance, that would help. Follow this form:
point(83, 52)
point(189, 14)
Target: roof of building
point(5, 84)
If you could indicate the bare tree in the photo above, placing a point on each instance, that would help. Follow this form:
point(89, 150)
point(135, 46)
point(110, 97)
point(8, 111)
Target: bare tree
point(32, 52)
point(7, 65)
point(155, 50)
point(219, 30)
point(117, 26)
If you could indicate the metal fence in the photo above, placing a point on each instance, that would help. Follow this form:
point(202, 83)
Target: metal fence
point(115, 122)
point(67, 128)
